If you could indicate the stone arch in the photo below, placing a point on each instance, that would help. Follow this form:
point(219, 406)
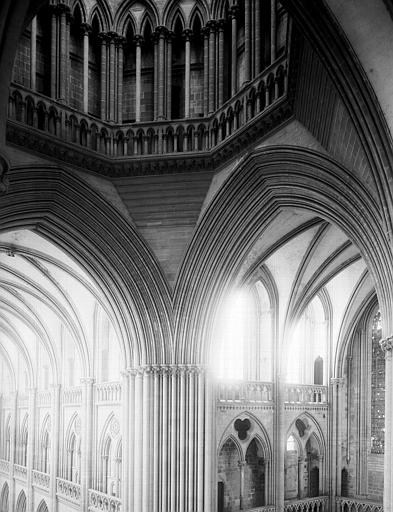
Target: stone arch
point(102, 12)
point(21, 502)
point(42, 507)
point(230, 460)
point(78, 3)
point(4, 498)
point(125, 11)
point(345, 202)
point(133, 293)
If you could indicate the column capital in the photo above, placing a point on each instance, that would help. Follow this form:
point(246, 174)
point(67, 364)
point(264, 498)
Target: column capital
point(386, 345)
point(112, 36)
point(211, 25)
point(337, 381)
point(234, 11)
point(103, 37)
point(161, 31)
point(187, 34)
point(221, 24)
point(170, 35)
point(138, 40)
point(86, 29)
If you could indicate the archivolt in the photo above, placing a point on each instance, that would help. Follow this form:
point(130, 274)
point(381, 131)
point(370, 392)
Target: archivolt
point(65, 210)
point(271, 179)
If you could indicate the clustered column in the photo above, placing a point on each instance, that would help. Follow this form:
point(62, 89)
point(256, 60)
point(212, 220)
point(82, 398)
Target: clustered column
point(111, 76)
point(167, 439)
point(387, 346)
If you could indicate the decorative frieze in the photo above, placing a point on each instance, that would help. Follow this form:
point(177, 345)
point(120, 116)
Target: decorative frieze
point(41, 480)
point(68, 490)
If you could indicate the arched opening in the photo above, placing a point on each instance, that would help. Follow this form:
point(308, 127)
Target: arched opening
point(129, 76)
point(229, 477)
point(21, 502)
point(76, 60)
point(291, 469)
point(43, 56)
point(318, 370)
point(94, 95)
point(196, 69)
point(4, 498)
point(42, 507)
point(178, 71)
point(313, 469)
point(254, 476)
point(147, 74)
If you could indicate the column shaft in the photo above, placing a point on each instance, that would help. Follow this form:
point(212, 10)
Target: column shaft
point(161, 74)
point(169, 77)
point(138, 69)
point(272, 30)
point(30, 448)
point(120, 60)
point(257, 38)
point(234, 56)
point(54, 57)
point(247, 40)
point(187, 76)
point(125, 479)
point(86, 71)
point(221, 63)
point(205, 72)
point(111, 72)
point(33, 53)
point(54, 456)
point(212, 78)
point(103, 78)
point(63, 49)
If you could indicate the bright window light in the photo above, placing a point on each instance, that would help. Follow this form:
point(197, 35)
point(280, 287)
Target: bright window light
point(229, 342)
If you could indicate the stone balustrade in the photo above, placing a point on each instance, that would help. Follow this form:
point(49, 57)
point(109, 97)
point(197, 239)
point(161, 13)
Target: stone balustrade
point(108, 392)
point(41, 480)
point(304, 393)
point(20, 472)
point(344, 504)
point(4, 466)
point(68, 490)
point(317, 504)
point(266, 508)
point(244, 391)
point(100, 501)
point(155, 137)
point(72, 396)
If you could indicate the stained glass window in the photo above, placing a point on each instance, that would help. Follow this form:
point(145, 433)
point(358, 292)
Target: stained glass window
point(377, 388)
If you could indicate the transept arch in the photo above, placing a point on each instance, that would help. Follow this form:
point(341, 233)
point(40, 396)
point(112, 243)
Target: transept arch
point(148, 337)
point(343, 210)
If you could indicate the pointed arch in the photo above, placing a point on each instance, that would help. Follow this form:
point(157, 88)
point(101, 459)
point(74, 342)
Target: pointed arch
point(42, 507)
point(102, 13)
point(199, 11)
point(176, 20)
point(21, 502)
point(126, 10)
point(80, 5)
point(4, 498)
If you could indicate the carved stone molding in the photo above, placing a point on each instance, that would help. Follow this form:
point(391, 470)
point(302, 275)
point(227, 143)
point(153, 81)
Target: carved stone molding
point(386, 345)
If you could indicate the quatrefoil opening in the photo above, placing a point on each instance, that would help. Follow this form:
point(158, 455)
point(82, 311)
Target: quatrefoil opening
point(242, 427)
